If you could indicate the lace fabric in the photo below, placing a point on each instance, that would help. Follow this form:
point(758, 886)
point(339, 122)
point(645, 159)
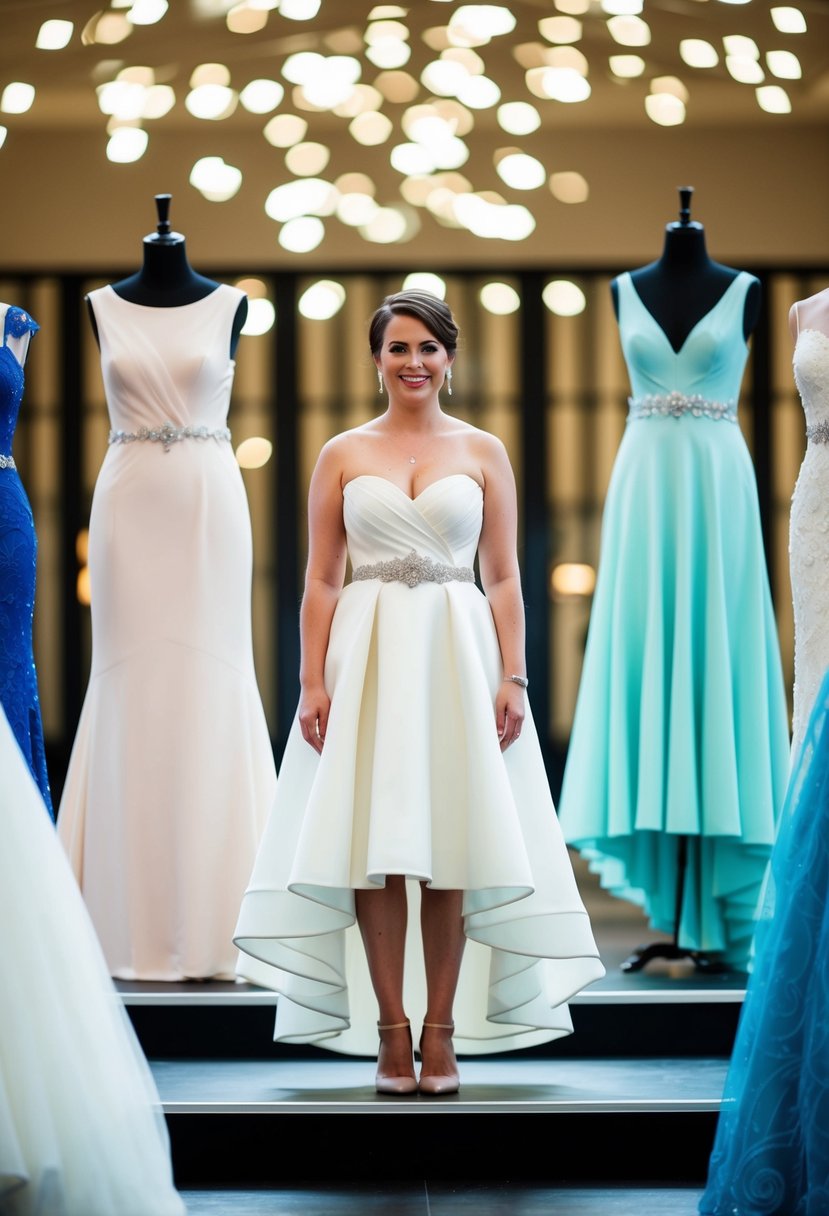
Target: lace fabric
point(18, 561)
point(809, 531)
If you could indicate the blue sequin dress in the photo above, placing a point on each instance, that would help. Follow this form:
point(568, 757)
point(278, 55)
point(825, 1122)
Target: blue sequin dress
point(18, 559)
point(771, 1153)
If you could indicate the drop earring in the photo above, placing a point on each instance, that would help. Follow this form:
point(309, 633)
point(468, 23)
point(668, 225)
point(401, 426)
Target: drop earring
point(379, 381)
point(449, 380)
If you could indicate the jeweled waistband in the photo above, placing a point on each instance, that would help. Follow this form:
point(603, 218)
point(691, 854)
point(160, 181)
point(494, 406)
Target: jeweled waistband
point(412, 570)
point(819, 433)
point(7, 462)
point(676, 405)
point(167, 434)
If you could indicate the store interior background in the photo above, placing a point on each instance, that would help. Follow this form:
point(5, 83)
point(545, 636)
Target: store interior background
point(553, 386)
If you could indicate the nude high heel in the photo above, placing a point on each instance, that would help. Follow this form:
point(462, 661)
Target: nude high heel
point(436, 1085)
point(396, 1085)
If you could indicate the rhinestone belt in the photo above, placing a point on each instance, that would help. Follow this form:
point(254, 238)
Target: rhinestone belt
point(674, 405)
point(412, 570)
point(819, 432)
point(7, 462)
point(168, 434)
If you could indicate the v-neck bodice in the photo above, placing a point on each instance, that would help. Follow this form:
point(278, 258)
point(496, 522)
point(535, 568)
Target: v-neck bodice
point(709, 364)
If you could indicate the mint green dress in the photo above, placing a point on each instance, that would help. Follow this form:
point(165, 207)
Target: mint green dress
point(681, 723)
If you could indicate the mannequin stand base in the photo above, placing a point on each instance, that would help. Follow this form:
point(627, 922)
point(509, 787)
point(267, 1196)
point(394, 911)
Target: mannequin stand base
point(643, 955)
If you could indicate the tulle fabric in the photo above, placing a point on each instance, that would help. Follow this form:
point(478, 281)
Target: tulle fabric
point(771, 1153)
point(412, 781)
point(82, 1132)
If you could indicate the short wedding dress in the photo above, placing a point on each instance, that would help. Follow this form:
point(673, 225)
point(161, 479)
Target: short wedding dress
point(412, 781)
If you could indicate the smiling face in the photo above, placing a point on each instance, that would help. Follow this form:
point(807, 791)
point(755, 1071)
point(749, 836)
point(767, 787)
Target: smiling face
point(412, 360)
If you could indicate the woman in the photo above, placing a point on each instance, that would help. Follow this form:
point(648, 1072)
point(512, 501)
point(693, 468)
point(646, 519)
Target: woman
point(413, 769)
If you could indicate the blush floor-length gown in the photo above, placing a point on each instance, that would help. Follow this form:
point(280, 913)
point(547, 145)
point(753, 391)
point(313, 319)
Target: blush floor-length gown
point(412, 781)
point(172, 771)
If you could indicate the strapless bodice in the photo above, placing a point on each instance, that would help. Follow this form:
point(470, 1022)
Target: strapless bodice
point(811, 374)
point(442, 523)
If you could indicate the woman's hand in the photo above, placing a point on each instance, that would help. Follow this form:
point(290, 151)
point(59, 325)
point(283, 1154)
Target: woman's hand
point(314, 705)
point(510, 710)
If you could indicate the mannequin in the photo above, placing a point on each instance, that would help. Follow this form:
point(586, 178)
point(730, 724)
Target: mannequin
point(684, 284)
point(166, 279)
point(811, 313)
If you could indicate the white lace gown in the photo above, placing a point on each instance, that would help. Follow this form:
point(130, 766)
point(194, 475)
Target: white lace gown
point(82, 1131)
point(809, 530)
point(172, 771)
point(412, 781)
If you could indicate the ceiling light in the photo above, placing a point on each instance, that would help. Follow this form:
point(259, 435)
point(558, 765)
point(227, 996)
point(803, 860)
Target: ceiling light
point(518, 117)
point(622, 8)
point(665, 109)
point(389, 53)
point(106, 29)
point(245, 19)
point(560, 29)
point(302, 66)
point(322, 300)
point(17, 97)
point(569, 187)
point(306, 196)
point(260, 318)
point(698, 53)
point(254, 288)
point(740, 45)
point(126, 144)
point(355, 208)
point(479, 93)
point(383, 11)
point(562, 84)
point(307, 159)
point(371, 128)
point(216, 180)
point(158, 101)
point(355, 183)
point(285, 130)
point(773, 99)
point(210, 73)
point(211, 102)
point(381, 30)
point(398, 87)
point(564, 298)
point(424, 280)
point(54, 35)
point(499, 298)
point(521, 172)
point(629, 31)
point(255, 452)
point(483, 20)
point(302, 234)
point(120, 98)
point(574, 8)
point(299, 10)
point(788, 20)
point(784, 64)
point(669, 84)
point(147, 12)
point(744, 70)
point(362, 97)
point(572, 579)
point(386, 227)
point(261, 96)
point(444, 77)
point(411, 159)
point(627, 67)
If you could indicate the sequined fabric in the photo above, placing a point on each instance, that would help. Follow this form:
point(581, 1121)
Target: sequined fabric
point(168, 434)
point(677, 405)
point(18, 560)
point(412, 570)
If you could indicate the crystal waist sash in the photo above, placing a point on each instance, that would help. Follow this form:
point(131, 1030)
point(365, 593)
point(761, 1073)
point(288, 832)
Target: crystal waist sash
point(167, 434)
point(7, 462)
point(675, 405)
point(412, 570)
point(819, 433)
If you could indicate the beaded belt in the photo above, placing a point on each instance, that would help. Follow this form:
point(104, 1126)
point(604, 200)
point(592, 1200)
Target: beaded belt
point(168, 434)
point(674, 405)
point(413, 569)
point(7, 462)
point(819, 433)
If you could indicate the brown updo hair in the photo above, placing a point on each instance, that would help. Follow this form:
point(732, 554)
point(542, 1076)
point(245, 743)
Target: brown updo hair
point(424, 307)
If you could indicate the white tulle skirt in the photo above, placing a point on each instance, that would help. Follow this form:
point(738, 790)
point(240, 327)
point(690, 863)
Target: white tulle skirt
point(81, 1127)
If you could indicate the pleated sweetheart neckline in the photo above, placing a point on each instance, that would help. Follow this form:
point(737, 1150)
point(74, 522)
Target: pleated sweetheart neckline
point(387, 481)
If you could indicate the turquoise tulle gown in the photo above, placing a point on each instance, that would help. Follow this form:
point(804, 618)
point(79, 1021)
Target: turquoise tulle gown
point(771, 1153)
point(681, 724)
